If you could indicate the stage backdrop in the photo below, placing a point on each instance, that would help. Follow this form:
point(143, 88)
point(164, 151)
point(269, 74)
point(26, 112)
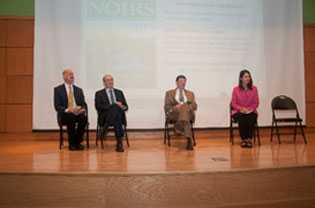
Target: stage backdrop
point(144, 44)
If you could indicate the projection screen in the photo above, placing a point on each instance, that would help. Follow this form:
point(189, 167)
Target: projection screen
point(145, 44)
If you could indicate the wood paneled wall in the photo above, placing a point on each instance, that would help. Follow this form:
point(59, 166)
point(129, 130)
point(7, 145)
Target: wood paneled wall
point(16, 73)
point(309, 52)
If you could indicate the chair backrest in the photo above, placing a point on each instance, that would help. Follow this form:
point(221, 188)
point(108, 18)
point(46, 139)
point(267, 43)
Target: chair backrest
point(283, 102)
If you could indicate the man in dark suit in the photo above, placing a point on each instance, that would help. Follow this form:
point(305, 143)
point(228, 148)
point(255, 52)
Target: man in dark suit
point(111, 105)
point(71, 109)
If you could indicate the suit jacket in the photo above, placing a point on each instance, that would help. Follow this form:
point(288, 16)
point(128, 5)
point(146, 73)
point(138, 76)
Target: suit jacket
point(170, 102)
point(61, 98)
point(103, 105)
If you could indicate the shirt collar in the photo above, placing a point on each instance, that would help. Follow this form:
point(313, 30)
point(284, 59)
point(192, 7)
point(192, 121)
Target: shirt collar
point(179, 89)
point(107, 89)
point(68, 85)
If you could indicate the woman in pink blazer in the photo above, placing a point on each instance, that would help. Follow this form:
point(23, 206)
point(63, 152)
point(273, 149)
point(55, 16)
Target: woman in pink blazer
point(244, 103)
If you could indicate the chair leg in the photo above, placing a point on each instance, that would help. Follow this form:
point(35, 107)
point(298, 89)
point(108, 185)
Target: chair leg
point(102, 143)
point(303, 133)
point(97, 134)
point(168, 135)
point(232, 134)
point(272, 129)
point(295, 131)
point(60, 138)
point(103, 134)
point(165, 132)
point(254, 134)
point(126, 135)
point(87, 137)
point(277, 131)
point(193, 134)
point(258, 135)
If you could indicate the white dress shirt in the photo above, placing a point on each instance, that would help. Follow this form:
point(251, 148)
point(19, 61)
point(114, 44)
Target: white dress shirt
point(177, 96)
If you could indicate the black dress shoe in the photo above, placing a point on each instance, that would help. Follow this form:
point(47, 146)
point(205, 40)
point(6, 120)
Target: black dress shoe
point(80, 147)
point(243, 143)
point(249, 144)
point(189, 144)
point(119, 147)
point(73, 148)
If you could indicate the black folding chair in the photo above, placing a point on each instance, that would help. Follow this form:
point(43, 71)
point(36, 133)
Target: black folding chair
point(284, 103)
point(61, 131)
point(167, 129)
point(233, 121)
point(101, 132)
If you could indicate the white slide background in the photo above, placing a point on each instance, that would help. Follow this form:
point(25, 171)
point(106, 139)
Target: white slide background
point(145, 44)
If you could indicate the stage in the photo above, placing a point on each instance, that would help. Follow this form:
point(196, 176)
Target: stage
point(35, 173)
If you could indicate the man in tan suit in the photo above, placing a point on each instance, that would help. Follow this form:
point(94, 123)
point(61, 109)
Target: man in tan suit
point(180, 106)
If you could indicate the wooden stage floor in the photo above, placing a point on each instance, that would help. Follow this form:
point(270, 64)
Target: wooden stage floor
point(39, 153)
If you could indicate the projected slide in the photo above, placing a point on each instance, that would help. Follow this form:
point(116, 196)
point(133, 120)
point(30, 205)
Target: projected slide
point(145, 44)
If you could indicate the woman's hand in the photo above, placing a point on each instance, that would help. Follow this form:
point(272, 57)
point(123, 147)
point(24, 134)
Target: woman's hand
point(245, 110)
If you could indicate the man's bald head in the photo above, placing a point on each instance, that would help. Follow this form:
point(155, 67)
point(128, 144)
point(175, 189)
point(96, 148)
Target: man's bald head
point(68, 76)
point(108, 81)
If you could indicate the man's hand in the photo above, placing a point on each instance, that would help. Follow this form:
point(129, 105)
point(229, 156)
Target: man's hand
point(120, 104)
point(70, 110)
point(178, 106)
point(80, 111)
point(77, 110)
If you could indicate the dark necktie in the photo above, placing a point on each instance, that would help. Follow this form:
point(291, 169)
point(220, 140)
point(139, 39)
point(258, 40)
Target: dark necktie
point(112, 100)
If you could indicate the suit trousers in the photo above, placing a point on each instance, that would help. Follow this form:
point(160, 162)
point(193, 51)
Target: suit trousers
point(246, 124)
point(182, 118)
point(114, 117)
point(75, 127)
